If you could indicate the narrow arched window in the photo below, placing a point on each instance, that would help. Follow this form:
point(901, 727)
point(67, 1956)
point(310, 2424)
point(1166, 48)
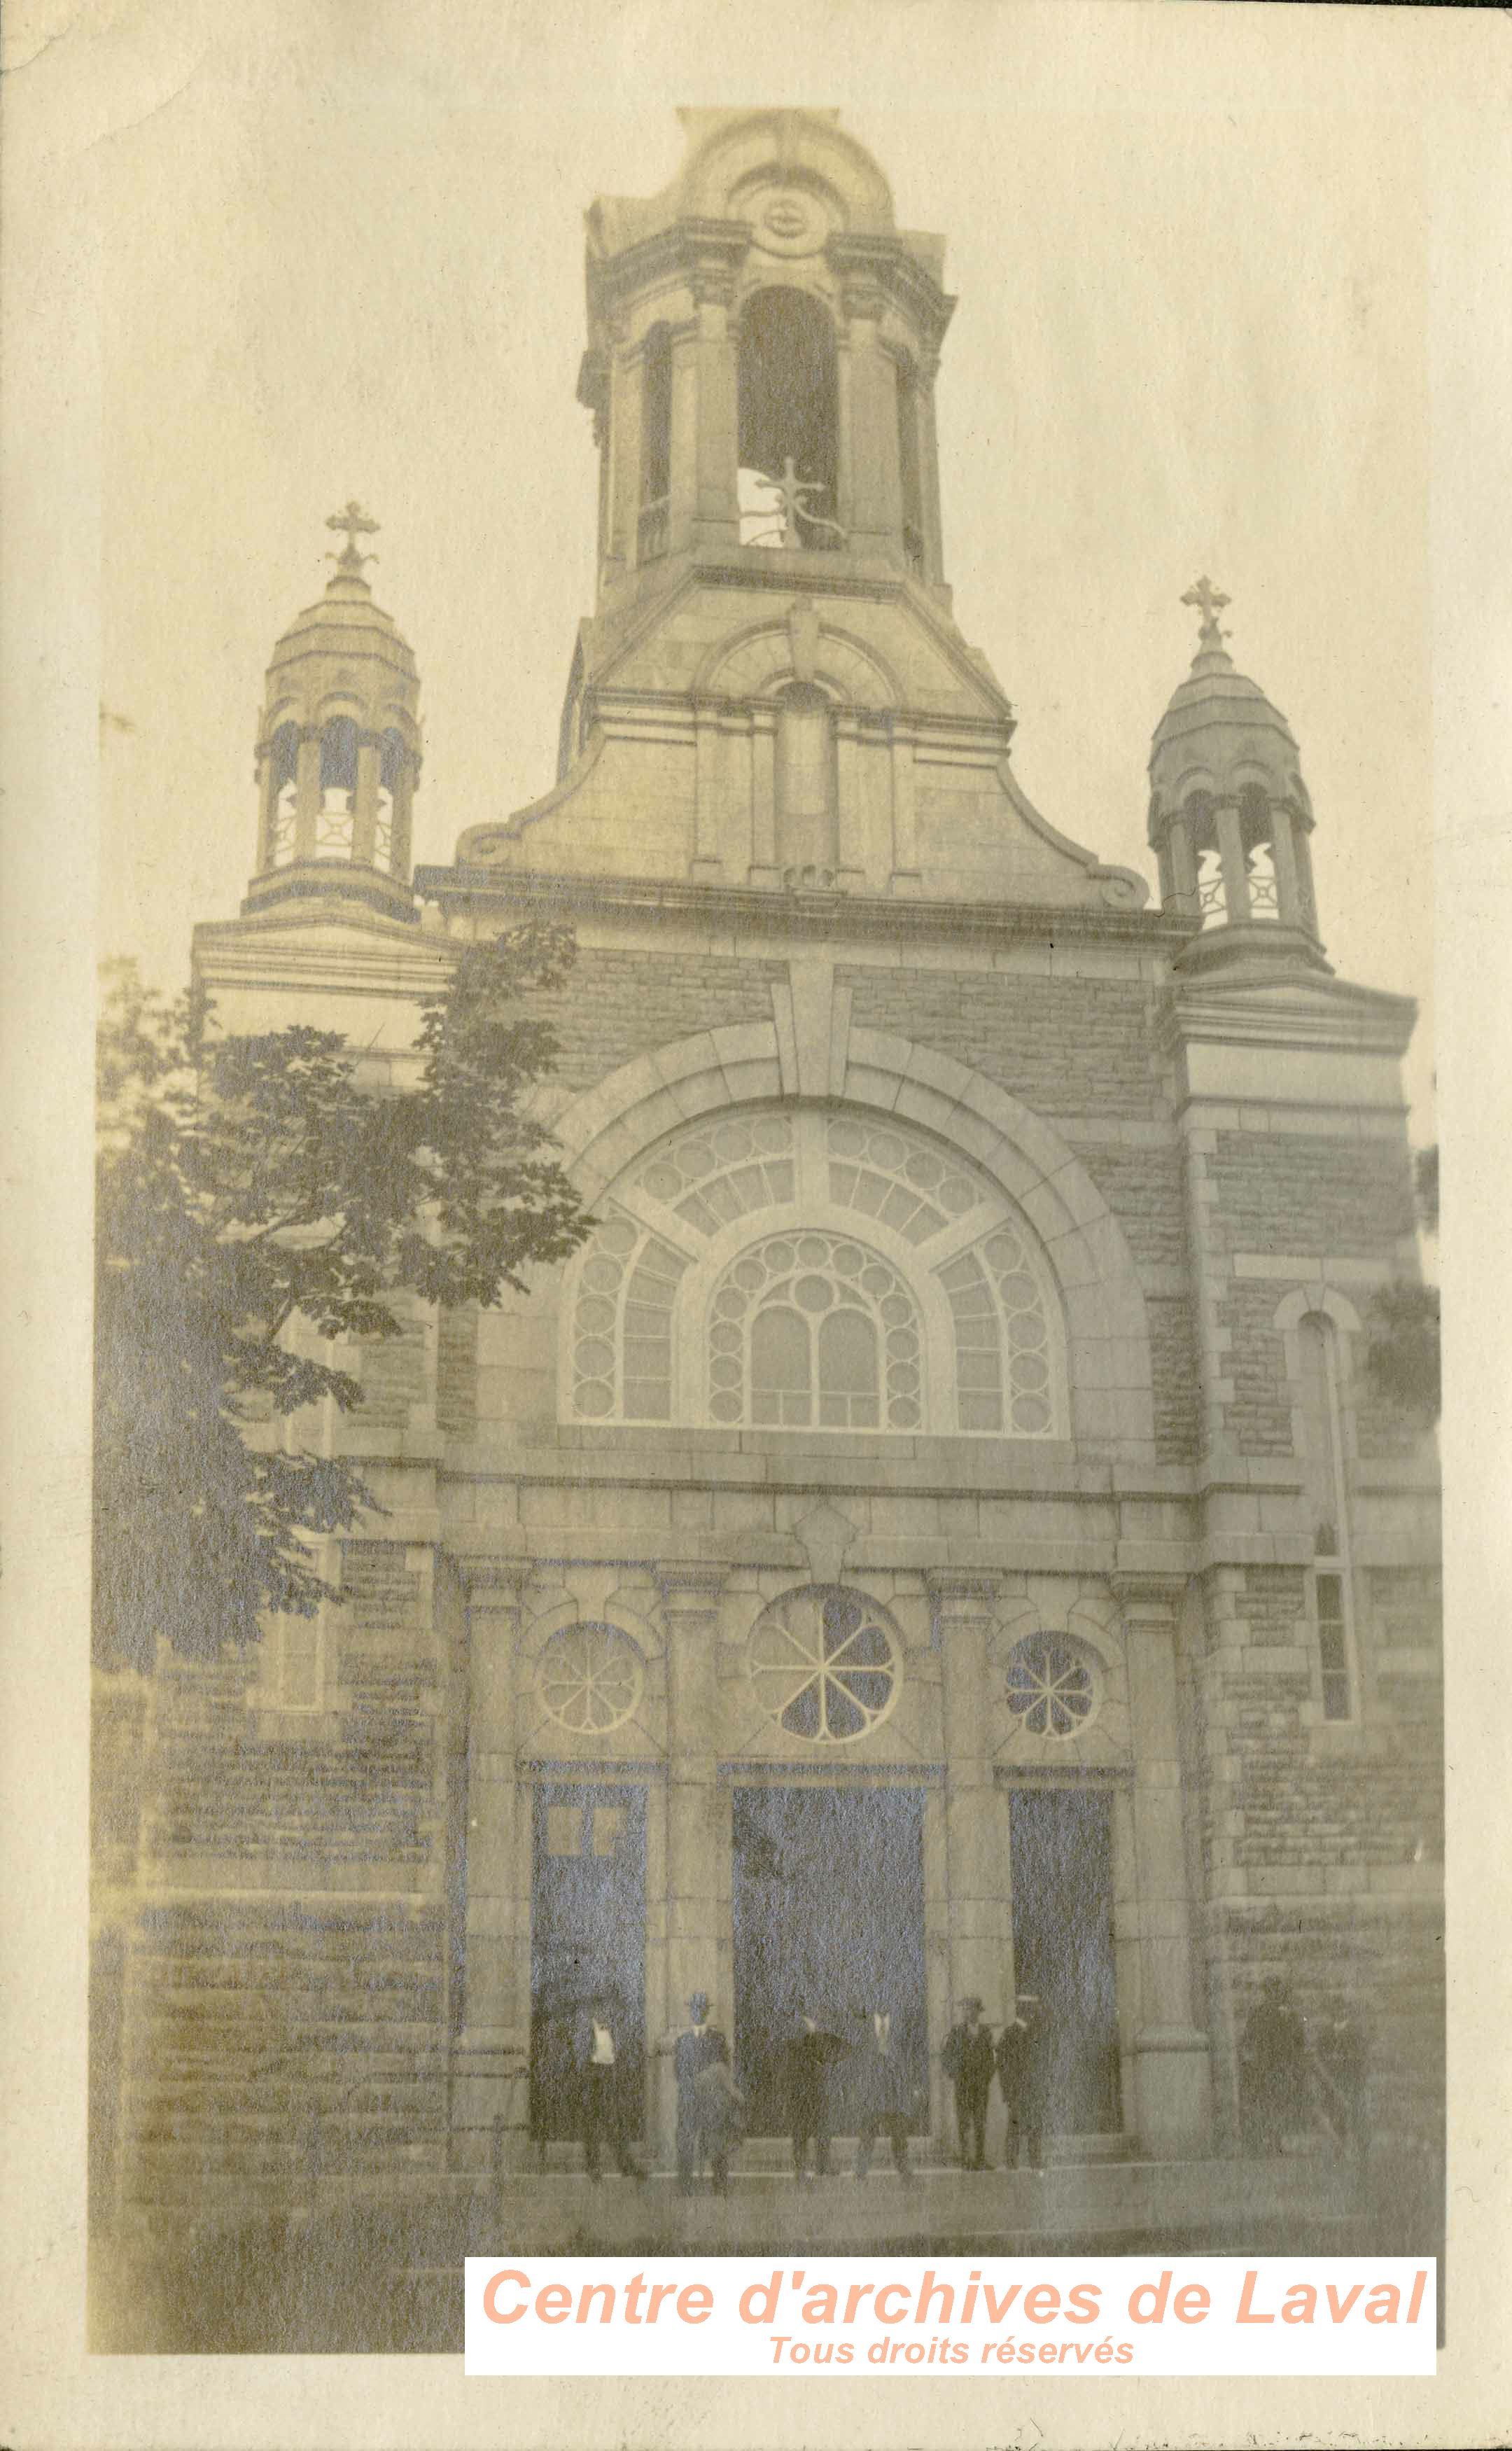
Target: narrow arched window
point(1328, 1507)
point(333, 824)
point(848, 1390)
point(788, 422)
point(656, 444)
point(781, 1369)
point(806, 780)
point(282, 788)
point(908, 469)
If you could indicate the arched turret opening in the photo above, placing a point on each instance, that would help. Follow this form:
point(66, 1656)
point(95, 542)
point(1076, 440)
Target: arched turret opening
point(391, 829)
point(1257, 826)
point(334, 818)
point(282, 793)
point(788, 422)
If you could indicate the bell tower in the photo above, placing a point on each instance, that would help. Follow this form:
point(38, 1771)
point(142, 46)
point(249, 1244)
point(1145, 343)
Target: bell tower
point(338, 748)
point(771, 693)
point(763, 345)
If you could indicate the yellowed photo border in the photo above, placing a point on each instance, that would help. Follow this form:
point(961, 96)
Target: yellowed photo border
point(1414, 96)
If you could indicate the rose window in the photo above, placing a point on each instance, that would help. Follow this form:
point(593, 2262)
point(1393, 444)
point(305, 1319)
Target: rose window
point(589, 1679)
point(1051, 1687)
point(826, 1664)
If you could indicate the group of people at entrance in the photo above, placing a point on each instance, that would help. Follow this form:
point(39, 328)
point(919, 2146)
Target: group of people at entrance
point(1017, 2053)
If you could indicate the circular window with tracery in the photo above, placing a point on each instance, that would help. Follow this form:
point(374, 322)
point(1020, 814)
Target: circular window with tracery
point(1052, 1685)
point(589, 1679)
point(826, 1663)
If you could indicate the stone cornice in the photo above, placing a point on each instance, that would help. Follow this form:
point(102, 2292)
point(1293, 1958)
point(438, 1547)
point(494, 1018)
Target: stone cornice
point(752, 911)
point(1288, 1008)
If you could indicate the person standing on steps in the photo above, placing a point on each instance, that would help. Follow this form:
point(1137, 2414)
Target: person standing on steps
point(1023, 2074)
point(886, 2092)
point(695, 2048)
point(602, 2082)
point(1275, 2095)
point(807, 2074)
point(967, 2061)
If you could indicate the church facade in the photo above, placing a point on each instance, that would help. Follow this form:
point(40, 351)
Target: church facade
point(938, 1535)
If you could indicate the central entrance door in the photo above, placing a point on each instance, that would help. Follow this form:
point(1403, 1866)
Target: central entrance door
point(829, 1922)
point(1063, 1947)
point(587, 1933)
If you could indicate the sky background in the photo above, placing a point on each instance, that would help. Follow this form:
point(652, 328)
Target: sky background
point(345, 257)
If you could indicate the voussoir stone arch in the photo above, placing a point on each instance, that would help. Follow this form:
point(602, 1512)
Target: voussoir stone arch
point(609, 1127)
point(758, 664)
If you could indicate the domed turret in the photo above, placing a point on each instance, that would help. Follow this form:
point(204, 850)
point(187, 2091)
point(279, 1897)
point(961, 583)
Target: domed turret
point(338, 750)
point(1229, 814)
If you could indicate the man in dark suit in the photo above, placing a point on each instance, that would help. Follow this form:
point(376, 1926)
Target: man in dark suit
point(1023, 2072)
point(601, 2078)
point(887, 2092)
point(967, 2061)
point(807, 2081)
point(1275, 2093)
point(695, 2048)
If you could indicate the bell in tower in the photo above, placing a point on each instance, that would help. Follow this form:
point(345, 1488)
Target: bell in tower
point(338, 750)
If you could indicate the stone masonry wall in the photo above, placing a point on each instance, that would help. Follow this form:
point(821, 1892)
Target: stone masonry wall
point(284, 2007)
point(1321, 1846)
point(617, 1005)
point(1066, 1047)
point(1311, 1192)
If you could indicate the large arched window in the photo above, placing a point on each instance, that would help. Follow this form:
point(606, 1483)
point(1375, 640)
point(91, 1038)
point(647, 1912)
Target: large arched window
point(791, 1267)
point(788, 414)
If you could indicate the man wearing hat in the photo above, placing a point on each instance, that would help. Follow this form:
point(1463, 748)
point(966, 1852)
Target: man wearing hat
point(694, 2048)
point(1023, 2073)
point(967, 2061)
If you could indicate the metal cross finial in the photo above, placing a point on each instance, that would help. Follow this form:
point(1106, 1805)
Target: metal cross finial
point(356, 522)
point(1207, 601)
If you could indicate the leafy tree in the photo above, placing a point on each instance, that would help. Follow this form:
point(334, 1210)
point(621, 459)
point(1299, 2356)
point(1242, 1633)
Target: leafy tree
point(254, 1199)
point(1402, 1347)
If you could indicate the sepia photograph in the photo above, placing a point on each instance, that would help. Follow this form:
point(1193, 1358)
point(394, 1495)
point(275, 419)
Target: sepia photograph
point(766, 1534)
point(766, 1527)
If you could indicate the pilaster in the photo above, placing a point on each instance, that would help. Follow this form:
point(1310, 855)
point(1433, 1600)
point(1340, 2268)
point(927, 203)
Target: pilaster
point(490, 2061)
point(1169, 2051)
